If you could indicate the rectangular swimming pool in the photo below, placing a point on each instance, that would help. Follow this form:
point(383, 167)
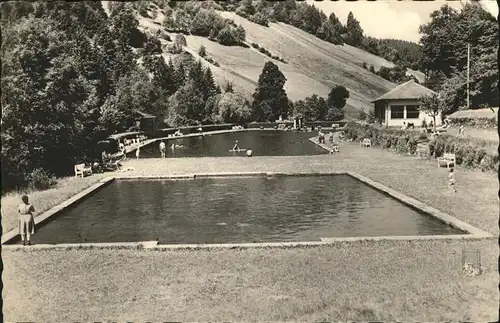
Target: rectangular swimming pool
point(261, 142)
point(237, 210)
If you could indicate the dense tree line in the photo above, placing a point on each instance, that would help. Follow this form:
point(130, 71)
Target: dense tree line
point(329, 28)
point(72, 75)
point(61, 64)
point(400, 52)
point(444, 60)
point(70, 78)
point(200, 19)
point(397, 74)
point(317, 108)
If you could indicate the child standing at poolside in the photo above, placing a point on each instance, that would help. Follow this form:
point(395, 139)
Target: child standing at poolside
point(163, 149)
point(26, 220)
point(451, 180)
point(137, 152)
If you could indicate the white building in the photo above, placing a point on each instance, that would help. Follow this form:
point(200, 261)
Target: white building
point(401, 104)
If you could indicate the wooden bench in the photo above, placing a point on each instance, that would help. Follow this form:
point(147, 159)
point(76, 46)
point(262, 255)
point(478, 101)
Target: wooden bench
point(447, 159)
point(82, 170)
point(366, 143)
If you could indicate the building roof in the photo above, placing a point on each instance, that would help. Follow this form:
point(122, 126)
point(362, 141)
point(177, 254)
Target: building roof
point(144, 115)
point(119, 136)
point(408, 90)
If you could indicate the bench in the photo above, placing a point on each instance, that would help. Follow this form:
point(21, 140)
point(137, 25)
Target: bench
point(366, 143)
point(447, 159)
point(82, 170)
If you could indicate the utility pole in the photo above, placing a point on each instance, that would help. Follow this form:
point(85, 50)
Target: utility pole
point(468, 73)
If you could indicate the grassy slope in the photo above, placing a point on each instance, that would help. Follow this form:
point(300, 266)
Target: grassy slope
point(314, 66)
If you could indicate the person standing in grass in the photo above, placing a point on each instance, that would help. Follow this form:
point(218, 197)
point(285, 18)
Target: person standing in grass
point(451, 180)
point(26, 220)
point(461, 130)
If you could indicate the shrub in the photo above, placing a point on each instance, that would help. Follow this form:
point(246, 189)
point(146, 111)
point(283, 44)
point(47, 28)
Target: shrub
point(226, 37)
point(260, 19)
point(412, 145)
point(40, 179)
point(365, 66)
point(241, 12)
point(489, 163)
point(402, 145)
point(202, 51)
point(254, 45)
point(469, 153)
point(174, 49)
point(468, 157)
point(144, 12)
point(152, 46)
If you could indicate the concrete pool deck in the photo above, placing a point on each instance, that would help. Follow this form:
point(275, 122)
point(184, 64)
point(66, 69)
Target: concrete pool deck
point(377, 280)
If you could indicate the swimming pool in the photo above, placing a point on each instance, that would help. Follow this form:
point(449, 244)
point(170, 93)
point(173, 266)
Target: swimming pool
point(261, 142)
point(237, 210)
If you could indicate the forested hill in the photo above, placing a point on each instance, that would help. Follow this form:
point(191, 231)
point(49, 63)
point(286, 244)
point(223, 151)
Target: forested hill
point(311, 65)
point(75, 72)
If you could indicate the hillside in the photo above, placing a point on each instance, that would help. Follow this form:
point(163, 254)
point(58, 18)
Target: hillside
point(313, 66)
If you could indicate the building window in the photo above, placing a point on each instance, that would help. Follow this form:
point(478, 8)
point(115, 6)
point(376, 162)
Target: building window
point(412, 112)
point(397, 112)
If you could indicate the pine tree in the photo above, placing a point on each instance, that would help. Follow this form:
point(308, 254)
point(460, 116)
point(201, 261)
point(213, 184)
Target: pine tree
point(164, 76)
point(196, 75)
point(202, 51)
point(209, 87)
point(354, 35)
point(180, 74)
point(228, 87)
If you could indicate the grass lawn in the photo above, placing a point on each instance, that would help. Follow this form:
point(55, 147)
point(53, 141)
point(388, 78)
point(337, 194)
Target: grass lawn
point(43, 200)
point(482, 134)
point(392, 280)
point(375, 281)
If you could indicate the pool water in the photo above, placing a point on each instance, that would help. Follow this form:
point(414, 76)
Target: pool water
point(237, 210)
point(261, 142)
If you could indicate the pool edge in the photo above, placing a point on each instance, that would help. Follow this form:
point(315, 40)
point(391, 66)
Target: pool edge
point(50, 213)
point(471, 231)
point(155, 246)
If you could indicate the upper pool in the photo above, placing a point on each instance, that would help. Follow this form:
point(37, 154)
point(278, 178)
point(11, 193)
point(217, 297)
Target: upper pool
point(237, 210)
point(261, 142)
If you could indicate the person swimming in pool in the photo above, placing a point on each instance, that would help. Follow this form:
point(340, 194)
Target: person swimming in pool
point(236, 147)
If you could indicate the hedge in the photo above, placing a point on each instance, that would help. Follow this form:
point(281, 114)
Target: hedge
point(479, 118)
point(470, 152)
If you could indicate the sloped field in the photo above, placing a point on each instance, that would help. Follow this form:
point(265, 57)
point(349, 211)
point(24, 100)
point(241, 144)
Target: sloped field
point(313, 66)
